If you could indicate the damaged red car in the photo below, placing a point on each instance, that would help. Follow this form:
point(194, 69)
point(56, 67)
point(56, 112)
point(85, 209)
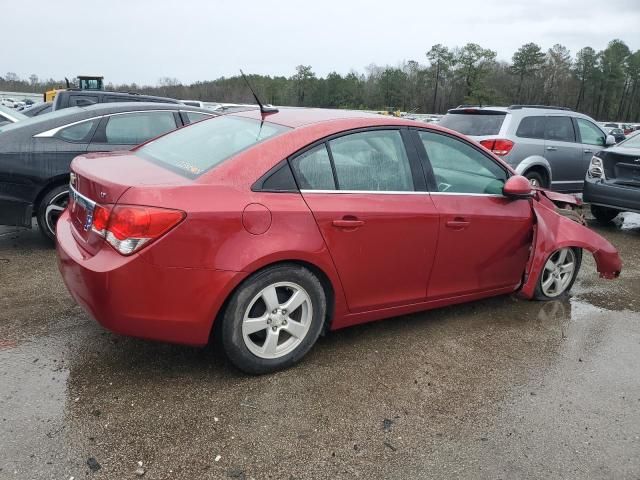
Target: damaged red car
point(266, 229)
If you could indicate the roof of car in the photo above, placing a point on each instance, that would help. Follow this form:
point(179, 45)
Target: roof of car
point(298, 116)
point(115, 107)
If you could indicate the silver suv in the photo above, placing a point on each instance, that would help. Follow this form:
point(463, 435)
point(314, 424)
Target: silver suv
point(551, 146)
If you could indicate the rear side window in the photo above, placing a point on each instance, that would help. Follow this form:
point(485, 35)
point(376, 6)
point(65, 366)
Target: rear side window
point(375, 161)
point(194, 117)
point(531, 127)
point(194, 150)
point(313, 169)
point(135, 128)
point(78, 132)
point(82, 100)
point(479, 123)
point(559, 129)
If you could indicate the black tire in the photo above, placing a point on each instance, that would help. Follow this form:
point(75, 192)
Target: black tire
point(534, 176)
point(603, 214)
point(57, 196)
point(232, 338)
point(540, 295)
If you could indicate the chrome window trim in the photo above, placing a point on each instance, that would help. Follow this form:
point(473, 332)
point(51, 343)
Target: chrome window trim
point(384, 192)
point(52, 132)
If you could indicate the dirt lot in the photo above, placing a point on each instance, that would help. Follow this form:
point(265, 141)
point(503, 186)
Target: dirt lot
point(501, 388)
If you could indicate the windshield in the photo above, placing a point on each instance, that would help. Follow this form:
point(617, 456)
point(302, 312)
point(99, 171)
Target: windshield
point(479, 123)
point(195, 149)
point(40, 118)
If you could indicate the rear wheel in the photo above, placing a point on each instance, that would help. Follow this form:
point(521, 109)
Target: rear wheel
point(51, 207)
point(273, 319)
point(559, 273)
point(603, 214)
point(536, 179)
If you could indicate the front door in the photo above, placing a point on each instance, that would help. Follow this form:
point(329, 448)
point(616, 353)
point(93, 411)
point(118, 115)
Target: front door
point(380, 229)
point(484, 237)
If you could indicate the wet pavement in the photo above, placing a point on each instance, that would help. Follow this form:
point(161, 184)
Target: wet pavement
point(501, 388)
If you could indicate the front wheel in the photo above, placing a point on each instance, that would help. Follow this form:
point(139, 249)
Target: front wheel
point(273, 319)
point(51, 207)
point(559, 273)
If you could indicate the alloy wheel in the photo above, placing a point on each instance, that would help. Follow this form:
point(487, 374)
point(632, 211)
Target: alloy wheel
point(54, 209)
point(277, 320)
point(558, 272)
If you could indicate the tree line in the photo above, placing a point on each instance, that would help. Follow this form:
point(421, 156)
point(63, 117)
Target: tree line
point(603, 84)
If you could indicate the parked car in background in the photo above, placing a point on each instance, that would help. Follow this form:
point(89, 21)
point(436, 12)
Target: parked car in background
point(281, 225)
point(551, 146)
point(612, 184)
point(35, 153)
point(8, 102)
point(83, 98)
point(617, 133)
point(37, 109)
point(9, 115)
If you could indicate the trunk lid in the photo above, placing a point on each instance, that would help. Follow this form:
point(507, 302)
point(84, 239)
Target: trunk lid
point(101, 179)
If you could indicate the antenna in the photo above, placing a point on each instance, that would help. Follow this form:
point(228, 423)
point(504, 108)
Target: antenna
point(264, 109)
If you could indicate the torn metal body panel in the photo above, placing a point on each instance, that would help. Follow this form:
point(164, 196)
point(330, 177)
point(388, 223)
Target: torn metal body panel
point(553, 232)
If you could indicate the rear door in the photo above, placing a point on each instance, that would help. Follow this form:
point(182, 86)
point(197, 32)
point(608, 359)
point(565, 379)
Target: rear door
point(123, 131)
point(484, 237)
point(563, 153)
point(367, 194)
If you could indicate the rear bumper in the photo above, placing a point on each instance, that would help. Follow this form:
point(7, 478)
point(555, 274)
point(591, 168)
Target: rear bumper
point(619, 197)
point(131, 296)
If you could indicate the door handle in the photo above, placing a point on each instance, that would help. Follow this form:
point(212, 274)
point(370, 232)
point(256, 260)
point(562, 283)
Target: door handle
point(586, 150)
point(348, 223)
point(458, 223)
point(552, 149)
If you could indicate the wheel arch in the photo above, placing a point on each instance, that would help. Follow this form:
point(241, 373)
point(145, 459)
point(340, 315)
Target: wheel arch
point(535, 163)
point(53, 182)
point(323, 277)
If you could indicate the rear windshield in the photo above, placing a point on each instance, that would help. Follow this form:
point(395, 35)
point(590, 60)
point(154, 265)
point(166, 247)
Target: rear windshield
point(199, 147)
point(479, 123)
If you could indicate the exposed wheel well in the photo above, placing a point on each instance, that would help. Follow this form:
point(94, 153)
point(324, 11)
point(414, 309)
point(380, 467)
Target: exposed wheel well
point(324, 281)
point(540, 170)
point(52, 183)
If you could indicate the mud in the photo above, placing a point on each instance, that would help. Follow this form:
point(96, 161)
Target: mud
point(501, 388)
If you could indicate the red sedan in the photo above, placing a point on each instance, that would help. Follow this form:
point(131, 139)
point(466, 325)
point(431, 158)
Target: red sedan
point(268, 229)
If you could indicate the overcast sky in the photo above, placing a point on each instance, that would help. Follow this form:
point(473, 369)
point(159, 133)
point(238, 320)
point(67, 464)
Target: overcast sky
point(143, 40)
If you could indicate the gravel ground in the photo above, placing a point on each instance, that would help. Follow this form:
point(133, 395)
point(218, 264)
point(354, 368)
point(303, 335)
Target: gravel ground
point(501, 388)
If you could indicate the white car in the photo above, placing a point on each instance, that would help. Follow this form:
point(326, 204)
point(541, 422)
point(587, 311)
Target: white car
point(8, 102)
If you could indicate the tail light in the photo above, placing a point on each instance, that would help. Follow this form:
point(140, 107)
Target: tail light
point(128, 228)
point(596, 168)
point(499, 146)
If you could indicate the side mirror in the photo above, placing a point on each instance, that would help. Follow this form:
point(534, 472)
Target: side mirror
point(517, 187)
point(611, 140)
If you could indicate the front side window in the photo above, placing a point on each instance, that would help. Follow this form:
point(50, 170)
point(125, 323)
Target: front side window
point(372, 161)
point(202, 146)
point(590, 134)
point(78, 132)
point(313, 169)
point(560, 129)
point(460, 168)
point(135, 128)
